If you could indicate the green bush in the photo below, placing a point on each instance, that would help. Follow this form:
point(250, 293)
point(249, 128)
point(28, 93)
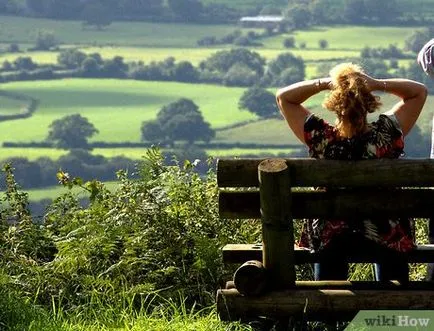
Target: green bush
point(160, 233)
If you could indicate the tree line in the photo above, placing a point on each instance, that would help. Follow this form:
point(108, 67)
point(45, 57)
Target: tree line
point(234, 67)
point(298, 13)
point(101, 13)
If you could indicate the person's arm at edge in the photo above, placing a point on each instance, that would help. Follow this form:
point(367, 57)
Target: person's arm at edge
point(413, 95)
point(290, 98)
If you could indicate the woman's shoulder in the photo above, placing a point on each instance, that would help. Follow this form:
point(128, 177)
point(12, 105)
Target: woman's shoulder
point(387, 123)
point(314, 122)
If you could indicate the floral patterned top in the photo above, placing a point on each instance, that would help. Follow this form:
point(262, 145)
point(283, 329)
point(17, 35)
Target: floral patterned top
point(383, 139)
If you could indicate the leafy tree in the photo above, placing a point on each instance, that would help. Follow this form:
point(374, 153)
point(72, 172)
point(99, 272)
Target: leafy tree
point(90, 67)
point(64, 8)
point(240, 75)
point(376, 67)
point(27, 173)
point(71, 131)
point(381, 11)
point(179, 120)
point(13, 48)
point(24, 63)
point(354, 11)
point(7, 66)
point(188, 10)
point(289, 42)
point(298, 16)
point(190, 127)
point(258, 101)
point(184, 71)
point(96, 14)
point(115, 67)
point(321, 12)
point(222, 61)
point(323, 43)
point(285, 69)
point(151, 131)
point(135, 8)
point(45, 40)
point(417, 39)
point(181, 107)
point(71, 58)
point(98, 58)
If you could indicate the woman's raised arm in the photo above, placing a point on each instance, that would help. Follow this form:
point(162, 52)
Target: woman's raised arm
point(290, 98)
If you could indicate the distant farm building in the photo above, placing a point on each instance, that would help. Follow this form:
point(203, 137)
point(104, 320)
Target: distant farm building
point(261, 21)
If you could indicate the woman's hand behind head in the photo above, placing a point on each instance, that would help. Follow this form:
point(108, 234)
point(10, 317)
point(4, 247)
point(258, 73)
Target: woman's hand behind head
point(372, 84)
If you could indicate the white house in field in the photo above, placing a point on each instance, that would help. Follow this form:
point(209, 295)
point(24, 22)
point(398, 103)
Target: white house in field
point(261, 21)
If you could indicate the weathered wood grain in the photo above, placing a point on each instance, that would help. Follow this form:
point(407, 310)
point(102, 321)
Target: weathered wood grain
point(351, 205)
point(323, 303)
point(240, 253)
point(311, 172)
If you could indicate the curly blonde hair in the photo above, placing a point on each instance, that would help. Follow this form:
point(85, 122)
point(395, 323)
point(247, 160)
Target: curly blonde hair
point(350, 99)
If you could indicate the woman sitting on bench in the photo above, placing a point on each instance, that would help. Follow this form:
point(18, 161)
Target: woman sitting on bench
point(354, 138)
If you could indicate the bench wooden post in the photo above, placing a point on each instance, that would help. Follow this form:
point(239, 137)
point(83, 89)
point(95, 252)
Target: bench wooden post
point(277, 225)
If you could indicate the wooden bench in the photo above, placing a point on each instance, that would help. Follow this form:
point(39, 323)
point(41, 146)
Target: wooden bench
point(278, 191)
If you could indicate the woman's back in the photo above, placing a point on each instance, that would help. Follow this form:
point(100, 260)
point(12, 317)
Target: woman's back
point(382, 139)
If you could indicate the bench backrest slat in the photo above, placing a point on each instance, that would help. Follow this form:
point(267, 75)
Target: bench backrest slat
point(310, 172)
point(340, 203)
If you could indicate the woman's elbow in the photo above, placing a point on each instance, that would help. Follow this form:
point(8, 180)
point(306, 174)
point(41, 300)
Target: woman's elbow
point(424, 91)
point(279, 94)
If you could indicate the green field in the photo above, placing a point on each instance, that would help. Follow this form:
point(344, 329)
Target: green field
point(116, 107)
point(55, 191)
point(132, 153)
point(139, 34)
point(347, 37)
point(193, 55)
point(9, 106)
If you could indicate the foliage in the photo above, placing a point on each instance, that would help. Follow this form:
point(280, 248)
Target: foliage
point(289, 42)
point(96, 14)
point(45, 40)
point(259, 101)
point(152, 131)
point(284, 70)
point(359, 11)
point(180, 120)
point(113, 250)
point(24, 63)
point(323, 44)
point(188, 10)
point(298, 16)
point(419, 37)
point(71, 131)
point(240, 75)
point(71, 58)
point(222, 61)
point(391, 52)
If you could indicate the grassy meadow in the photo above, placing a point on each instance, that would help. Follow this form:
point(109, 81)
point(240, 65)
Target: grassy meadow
point(193, 55)
point(137, 34)
point(118, 107)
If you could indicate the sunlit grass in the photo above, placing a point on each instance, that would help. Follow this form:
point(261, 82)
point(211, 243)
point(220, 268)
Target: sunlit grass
point(193, 55)
point(117, 108)
point(143, 34)
point(346, 37)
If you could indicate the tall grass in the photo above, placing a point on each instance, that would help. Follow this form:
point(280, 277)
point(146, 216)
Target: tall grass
point(18, 313)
